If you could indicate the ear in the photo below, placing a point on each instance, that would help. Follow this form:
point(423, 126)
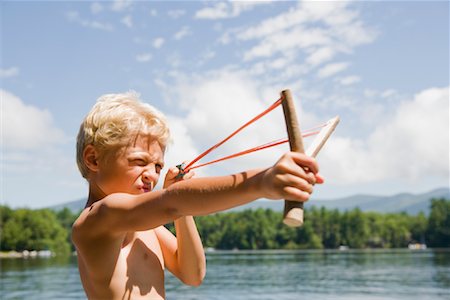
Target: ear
point(91, 157)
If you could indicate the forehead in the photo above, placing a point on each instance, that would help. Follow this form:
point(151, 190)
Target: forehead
point(148, 145)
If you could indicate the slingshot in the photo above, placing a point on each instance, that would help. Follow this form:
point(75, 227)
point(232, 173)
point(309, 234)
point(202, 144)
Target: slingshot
point(293, 211)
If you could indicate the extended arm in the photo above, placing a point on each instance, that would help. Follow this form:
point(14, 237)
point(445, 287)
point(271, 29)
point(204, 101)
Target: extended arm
point(118, 213)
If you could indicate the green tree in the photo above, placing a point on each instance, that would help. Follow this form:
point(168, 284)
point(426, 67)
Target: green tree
point(66, 218)
point(396, 233)
point(355, 229)
point(331, 236)
point(34, 230)
point(438, 229)
point(376, 229)
point(418, 227)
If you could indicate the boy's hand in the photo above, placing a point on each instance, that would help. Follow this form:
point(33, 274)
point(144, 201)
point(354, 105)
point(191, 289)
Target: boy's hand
point(171, 175)
point(292, 177)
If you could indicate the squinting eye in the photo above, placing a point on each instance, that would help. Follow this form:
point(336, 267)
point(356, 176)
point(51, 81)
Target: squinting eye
point(140, 162)
point(158, 168)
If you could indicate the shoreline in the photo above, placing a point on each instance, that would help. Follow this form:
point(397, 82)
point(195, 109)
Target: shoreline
point(26, 254)
point(46, 253)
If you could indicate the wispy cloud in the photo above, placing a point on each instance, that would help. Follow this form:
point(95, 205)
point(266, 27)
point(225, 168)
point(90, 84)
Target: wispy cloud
point(153, 13)
point(74, 16)
point(311, 33)
point(177, 13)
point(158, 42)
point(320, 55)
point(143, 57)
point(183, 32)
point(206, 56)
point(127, 21)
point(388, 93)
point(349, 80)
point(96, 8)
point(10, 72)
point(332, 69)
point(225, 10)
point(121, 5)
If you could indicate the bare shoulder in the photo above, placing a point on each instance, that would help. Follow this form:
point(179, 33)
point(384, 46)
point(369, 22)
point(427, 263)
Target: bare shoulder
point(95, 221)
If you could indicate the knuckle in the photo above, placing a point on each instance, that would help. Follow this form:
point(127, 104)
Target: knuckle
point(305, 197)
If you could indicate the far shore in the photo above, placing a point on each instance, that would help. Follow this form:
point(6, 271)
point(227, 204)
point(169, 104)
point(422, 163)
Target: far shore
point(211, 251)
point(25, 253)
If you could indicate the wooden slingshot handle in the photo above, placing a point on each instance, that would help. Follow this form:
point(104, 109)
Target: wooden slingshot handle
point(293, 211)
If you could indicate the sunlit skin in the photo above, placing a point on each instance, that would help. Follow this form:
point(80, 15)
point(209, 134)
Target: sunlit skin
point(122, 246)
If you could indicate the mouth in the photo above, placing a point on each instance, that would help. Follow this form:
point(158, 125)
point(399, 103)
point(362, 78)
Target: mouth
point(147, 188)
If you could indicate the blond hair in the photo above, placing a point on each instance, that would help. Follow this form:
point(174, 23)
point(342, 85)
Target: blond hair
point(117, 119)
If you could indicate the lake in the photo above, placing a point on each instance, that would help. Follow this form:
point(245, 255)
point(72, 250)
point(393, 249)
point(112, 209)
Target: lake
point(261, 275)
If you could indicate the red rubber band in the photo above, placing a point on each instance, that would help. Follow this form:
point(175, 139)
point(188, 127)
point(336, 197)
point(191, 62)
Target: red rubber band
point(254, 149)
point(306, 133)
point(272, 107)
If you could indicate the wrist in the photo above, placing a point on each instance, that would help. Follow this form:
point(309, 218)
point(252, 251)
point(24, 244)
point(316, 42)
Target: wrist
point(256, 181)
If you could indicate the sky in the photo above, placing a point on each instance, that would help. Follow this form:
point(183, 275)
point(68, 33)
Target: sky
point(383, 67)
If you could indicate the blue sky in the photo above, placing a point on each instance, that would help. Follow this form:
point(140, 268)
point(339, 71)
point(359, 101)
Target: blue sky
point(210, 66)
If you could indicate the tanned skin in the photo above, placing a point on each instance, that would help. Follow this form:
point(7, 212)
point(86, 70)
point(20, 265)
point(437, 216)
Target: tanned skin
point(123, 247)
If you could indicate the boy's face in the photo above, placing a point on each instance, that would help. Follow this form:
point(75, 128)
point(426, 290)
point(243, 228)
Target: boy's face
point(134, 169)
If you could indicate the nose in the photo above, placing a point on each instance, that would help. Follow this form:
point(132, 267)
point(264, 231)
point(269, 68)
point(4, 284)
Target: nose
point(150, 175)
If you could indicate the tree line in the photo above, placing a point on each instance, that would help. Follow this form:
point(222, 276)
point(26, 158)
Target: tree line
point(44, 229)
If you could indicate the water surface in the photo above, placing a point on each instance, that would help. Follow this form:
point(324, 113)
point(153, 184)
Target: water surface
point(354, 274)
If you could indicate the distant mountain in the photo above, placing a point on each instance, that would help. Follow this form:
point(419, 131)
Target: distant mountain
point(74, 206)
point(404, 202)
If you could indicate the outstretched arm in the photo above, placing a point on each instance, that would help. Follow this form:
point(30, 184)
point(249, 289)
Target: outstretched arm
point(119, 213)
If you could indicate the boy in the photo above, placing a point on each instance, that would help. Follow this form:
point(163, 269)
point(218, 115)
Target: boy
point(122, 245)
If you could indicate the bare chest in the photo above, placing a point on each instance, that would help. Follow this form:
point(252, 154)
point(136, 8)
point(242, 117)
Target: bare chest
point(138, 271)
point(140, 267)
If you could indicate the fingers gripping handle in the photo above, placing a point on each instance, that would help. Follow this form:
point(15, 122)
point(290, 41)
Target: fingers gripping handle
point(293, 211)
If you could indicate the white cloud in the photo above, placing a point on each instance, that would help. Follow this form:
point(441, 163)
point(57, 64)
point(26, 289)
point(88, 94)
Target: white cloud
point(127, 21)
point(218, 11)
point(320, 56)
point(158, 42)
point(332, 69)
point(10, 72)
point(34, 158)
point(25, 126)
point(74, 16)
point(182, 146)
point(175, 14)
point(121, 5)
point(309, 33)
point(206, 56)
point(412, 144)
point(153, 12)
point(290, 40)
point(388, 93)
point(96, 8)
point(174, 60)
point(184, 31)
point(370, 93)
point(225, 10)
point(144, 57)
point(349, 80)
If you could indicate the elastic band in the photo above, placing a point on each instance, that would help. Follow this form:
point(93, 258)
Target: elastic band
point(272, 107)
point(250, 150)
point(184, 169)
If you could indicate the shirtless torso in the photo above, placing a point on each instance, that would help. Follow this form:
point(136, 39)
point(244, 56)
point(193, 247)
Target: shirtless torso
point(130, 267)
